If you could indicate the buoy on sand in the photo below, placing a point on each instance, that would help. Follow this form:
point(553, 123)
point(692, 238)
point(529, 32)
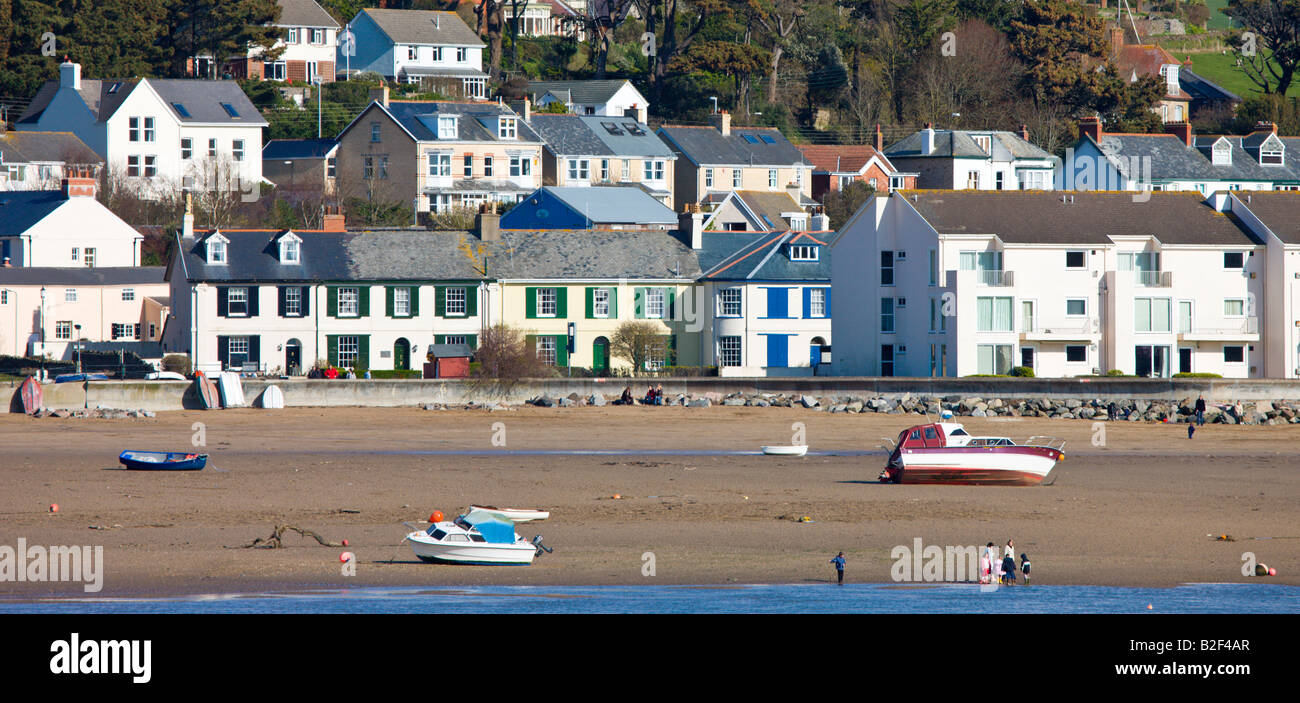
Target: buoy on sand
point(437, 516)
point(54, 507)
point(1272, 572)
point(345, 543)
point(346, 557)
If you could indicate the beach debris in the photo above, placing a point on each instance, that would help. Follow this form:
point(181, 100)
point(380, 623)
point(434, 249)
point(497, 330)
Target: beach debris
point(1149, 607)
point(1224, 538)
point(806, 519)
point(617, 496)
point(54, 507)
point(348, 511)
point(276, 540)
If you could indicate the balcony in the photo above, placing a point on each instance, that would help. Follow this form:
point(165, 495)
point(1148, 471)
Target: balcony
point(998, 277)
point(1230, 330)
point(1073, 331)
point(1154, 279)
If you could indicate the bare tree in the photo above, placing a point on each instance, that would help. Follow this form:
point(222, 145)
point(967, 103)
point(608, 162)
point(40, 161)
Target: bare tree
point(638, 343)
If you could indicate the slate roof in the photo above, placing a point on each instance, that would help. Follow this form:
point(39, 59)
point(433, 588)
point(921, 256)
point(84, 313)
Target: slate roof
point(469, 128)
point(733, 256)
point(593, 135)
point(298, 148)
point(201, 98)
point(417, 27)
point(768, 206)
point(1201, 89)
point(449, 351)
point(29, 147)
point(20, 210)
point(1279, 210)
point(592, 254)
point(707, 146)
point(842, 158)
point(1167, 157)
point(1040, 217)
point(81, 275)
point(1006, 146)
point(376, 255)
point(304, 13)
point(614, 204)
point(580, 92)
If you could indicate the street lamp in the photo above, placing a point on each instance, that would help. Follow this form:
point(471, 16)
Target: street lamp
point(42, 322)
point(78, 329)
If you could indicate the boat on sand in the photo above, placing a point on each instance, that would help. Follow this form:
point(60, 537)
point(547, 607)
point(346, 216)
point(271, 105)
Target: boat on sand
point(163, 461)
point(944, 452)
point(512, 514)
point(476, 538)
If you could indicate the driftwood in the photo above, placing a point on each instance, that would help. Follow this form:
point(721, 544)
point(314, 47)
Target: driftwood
point(276, 540)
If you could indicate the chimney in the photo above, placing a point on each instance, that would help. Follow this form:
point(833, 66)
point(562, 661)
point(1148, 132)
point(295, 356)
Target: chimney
point(1024, 132)
point(380, 94)
point(332, 220)
point(523, 108)
point(722, 121)
point(1116, 38)
point(78, 182)
point(488, 223)
point(820, 222)
point(927, 139)
point(187, 222)
point(878, 141)
point(1091, 127)
point(690, 225)
point(1266, 127)
point(1182, 130)
point(69, 75)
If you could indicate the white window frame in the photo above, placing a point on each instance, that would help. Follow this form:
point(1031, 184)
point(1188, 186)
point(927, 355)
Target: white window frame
point(803, 252)
point(349, 348)
point(579, 170)
point(401, 302)
point(187, 148)
point(736, 178)
point(1076, 300)
point(730, 302)
point(439, 163)
point(600, 303)
point(772, 178)
point(656, 303)
point(547, 302)
point(653, 170)
point(1228, 304)
point(133, 129)
point(708, 178)
point(293, 301)
point(547, 351)
point(128, 294)
point(69, 295)
point(507, 128)
point(455, 302)
point(349, 302)
point(817, 302)
point(729, 351)
point(63, 329)
point(237, 296)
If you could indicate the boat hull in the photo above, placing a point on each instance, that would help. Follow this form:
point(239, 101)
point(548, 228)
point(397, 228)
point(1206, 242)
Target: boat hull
point(513, 514)
point(163, 461)
point(33, 397)
point(520, 553)
point(786, 450)
point(974, 466)
point(209, 398)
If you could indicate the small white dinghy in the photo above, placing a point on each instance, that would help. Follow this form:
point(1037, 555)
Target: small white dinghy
point(272, 397)
point(232, 391)
point(512, 514)
point(786, 449)
point(476, 538)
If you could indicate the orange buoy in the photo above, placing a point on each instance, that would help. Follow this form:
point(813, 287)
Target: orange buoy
point(1272, 572)
point(618, 496)
point(346, 557)
point(436, 516)
point(54, 507)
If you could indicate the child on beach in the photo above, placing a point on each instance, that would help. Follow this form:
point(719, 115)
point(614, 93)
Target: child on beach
point(838, 561)
point(1009, 570)
point(986, 564)
point(1024, 567)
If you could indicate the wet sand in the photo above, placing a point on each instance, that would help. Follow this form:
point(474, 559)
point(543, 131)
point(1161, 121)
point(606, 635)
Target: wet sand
point(1134, 511)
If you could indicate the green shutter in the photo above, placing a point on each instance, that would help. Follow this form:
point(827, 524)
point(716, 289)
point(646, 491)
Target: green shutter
point(670, 298)
point(390, 295)
point(363, 351)
point(530, 303)
point(471, 301)
point(332, 309)
point(332, 341)
point(561, 350)
point(561, 302)
point(364, 300)
point(613, 303)
point(591, 304)
point(671, 359)
point(472, 341)
point(531, 341)
point(439, 339)
point(640, 303)
point(415, 301)
point(440, 301)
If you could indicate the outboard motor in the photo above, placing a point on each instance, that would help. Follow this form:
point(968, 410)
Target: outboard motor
point(537, 542)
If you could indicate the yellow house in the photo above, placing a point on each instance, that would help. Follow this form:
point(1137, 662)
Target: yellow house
point(588, 282)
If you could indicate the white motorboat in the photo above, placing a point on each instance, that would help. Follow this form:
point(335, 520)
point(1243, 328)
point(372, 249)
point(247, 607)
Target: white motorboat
point(786, 449)
point(515, 515)
point(944, 452)
point(476, 538)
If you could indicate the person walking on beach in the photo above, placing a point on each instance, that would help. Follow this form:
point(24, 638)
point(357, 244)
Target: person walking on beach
point(1024, 567)
point(1200, 412)
point(838, 561)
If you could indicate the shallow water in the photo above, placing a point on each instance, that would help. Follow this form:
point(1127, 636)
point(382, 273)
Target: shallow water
point(786, 598)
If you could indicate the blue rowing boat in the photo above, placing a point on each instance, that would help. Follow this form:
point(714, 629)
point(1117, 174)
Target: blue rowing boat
point(163, 461)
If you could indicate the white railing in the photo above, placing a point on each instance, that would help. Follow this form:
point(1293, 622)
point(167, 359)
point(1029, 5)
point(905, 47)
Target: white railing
point(1154, 279)
point(1089, 326)
point(991, 277)
point(1250, 325)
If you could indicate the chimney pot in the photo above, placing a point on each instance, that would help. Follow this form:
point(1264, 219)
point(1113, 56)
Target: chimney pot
point(878, 141)
point(1182, 130)
point(1091, 126)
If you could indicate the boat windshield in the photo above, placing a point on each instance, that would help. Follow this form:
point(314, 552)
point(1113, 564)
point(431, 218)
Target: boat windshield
point(436, 533)
point(959, 432)
point(990, 442)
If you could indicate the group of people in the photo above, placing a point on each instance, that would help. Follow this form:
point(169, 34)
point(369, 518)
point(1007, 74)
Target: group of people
point(654, 395)
point(1002, 570)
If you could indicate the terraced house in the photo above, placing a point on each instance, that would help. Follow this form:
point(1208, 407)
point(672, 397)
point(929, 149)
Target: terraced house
point(583, 151)
point(285, 300)
point(434, 49)
point(439, 155)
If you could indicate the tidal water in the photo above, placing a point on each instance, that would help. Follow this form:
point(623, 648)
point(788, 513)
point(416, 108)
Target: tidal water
point(783, 598)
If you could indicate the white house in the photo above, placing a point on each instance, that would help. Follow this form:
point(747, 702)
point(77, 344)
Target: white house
point(308, 42)
point(40, 160)
point(1275, 219)
point(284, 300)
point(606, 98)
point(1066, 284)
point(973, 160)
point(66, 227)
point(416, 46)
point(157, 134)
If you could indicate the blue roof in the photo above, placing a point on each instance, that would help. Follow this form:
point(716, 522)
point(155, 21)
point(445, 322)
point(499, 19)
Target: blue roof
point(603, 205)
point(298, 148)
point(20, 210)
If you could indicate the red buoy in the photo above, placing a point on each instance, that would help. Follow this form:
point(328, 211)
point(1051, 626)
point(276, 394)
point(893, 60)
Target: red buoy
point(437, 516)
point(345, 543)
point(346, 557)
point(54, 507)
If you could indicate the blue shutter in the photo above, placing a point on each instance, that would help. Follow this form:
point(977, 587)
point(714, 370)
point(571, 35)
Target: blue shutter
point(807, 302)
point(778, 350)
point(778, 302)
point(828, 301)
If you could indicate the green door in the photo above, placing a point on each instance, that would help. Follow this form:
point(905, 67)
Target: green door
point(600, 354)
point(402, 355)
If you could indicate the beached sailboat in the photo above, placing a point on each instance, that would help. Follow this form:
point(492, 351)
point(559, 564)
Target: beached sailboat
point(476, 538)
point(944, 452)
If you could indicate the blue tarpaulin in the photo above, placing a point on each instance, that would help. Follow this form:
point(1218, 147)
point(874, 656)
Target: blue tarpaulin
point(493, 529)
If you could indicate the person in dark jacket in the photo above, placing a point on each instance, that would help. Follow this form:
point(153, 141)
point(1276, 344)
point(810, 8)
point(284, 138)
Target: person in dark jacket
point(838, 561)
point(1200, 411)
point(627, 397)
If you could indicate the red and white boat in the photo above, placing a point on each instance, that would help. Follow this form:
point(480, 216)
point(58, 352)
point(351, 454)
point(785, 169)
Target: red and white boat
point(944, 452)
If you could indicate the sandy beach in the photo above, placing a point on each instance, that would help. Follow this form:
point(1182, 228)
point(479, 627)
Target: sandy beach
point(1134, 511)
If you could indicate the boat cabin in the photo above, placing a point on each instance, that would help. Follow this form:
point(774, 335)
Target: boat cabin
point(935, 434)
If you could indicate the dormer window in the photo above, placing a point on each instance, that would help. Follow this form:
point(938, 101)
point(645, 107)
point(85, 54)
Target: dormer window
point(507, 128)
point(290, 249)
point(447, 127)
point(216, 246)
point(983, 141)
point(1271, 151)
point(1222, 153)
point(803, 252)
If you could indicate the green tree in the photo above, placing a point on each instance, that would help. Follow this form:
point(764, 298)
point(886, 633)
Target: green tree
point(1270, 48)
point(737, 61)
point(1053, 39)
point(841, 204)
point(216, 28)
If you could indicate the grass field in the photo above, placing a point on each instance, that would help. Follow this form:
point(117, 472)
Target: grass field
point(1222, 69)
point(1218, 20)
